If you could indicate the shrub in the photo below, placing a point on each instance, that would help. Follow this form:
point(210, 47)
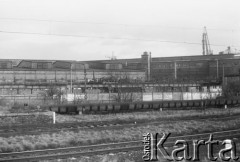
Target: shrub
point(26, 119)
point(40, 145)
point(27, 145)
point(53, 145)
point(66, 139)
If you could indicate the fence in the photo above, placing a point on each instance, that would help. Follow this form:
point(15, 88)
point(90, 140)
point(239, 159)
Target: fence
point(26, 100)
point(109, 97)
point(155, 96)
point(152, 96)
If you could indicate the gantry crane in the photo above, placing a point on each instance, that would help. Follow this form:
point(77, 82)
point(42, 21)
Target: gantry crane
point(205, 43)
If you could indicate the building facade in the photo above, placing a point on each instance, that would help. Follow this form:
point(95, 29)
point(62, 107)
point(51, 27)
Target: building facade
point(19, 75)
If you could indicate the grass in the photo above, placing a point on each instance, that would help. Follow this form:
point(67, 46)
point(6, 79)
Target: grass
point(32, 118)
point(19, 114)
point(86, 137)
point(132, 156)
point(150, 115)
point(20, 108)
point(96, 158)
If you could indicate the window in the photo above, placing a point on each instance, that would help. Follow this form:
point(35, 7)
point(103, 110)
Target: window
point(25, 64)
point(42, 65)
point(39, 65)
point(3, 65)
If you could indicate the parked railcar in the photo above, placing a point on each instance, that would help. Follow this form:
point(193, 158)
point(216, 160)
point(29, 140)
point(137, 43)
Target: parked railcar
point(110, 108)
point(221, 102)
point(124, 107)
point(131, 106)
point(117, 107)
point(144, 106)
point(178, 104)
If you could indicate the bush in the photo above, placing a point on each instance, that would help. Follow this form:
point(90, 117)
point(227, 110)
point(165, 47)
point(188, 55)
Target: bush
point(20, 108)
point(41, 145)
point(232, 89)
point(27, 145)
point(25, 119)
point(53, 144)
point(86, 137)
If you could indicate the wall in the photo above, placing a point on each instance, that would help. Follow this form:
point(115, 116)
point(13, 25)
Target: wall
point(154, 96)
point(22, 75)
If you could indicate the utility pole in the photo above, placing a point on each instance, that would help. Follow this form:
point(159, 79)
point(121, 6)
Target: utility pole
point(93, 76)
point(175, 70)
point(149, 66)
point(85, 82)
point(223, 76)
point(71, 79)
point(217, 69)
point(55, 76)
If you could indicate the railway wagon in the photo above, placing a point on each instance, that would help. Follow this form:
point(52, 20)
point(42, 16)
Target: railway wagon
point(143, 106)
point(65, 109)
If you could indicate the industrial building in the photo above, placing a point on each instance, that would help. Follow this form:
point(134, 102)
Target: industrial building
point(19, 75)
point(197, 68)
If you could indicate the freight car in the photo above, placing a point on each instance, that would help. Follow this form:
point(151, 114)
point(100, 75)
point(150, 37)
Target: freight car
point(143, 106)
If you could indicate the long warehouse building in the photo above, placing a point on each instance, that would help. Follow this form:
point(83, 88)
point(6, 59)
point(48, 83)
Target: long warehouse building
point(38, 74)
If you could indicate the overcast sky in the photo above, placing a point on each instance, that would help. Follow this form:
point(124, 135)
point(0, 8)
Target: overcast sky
point(96, 29)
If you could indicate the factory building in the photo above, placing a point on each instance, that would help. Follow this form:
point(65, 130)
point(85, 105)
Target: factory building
point(29, 76)
point(198, 68)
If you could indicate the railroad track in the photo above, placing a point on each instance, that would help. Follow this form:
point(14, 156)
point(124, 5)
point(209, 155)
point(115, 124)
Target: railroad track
point(51, 128)
point(68, 152)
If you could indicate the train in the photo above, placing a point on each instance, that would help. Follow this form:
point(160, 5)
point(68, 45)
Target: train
point(100, 108)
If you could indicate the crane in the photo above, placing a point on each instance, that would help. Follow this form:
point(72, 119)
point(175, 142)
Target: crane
point(205, 43)
point(112, 57)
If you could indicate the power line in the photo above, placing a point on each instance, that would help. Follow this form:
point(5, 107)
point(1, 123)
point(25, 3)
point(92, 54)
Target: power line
point(59, 21)
point(105, 23)
point(102, 37)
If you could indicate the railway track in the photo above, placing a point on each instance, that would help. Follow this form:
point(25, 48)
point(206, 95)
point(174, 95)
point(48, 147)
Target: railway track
point(63, 153)
point(53, 128)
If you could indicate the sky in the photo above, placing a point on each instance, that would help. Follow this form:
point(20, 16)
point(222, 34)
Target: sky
point(99, 29)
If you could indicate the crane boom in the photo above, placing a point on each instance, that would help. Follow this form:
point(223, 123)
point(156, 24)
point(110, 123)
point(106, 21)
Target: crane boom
point(205, 43)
